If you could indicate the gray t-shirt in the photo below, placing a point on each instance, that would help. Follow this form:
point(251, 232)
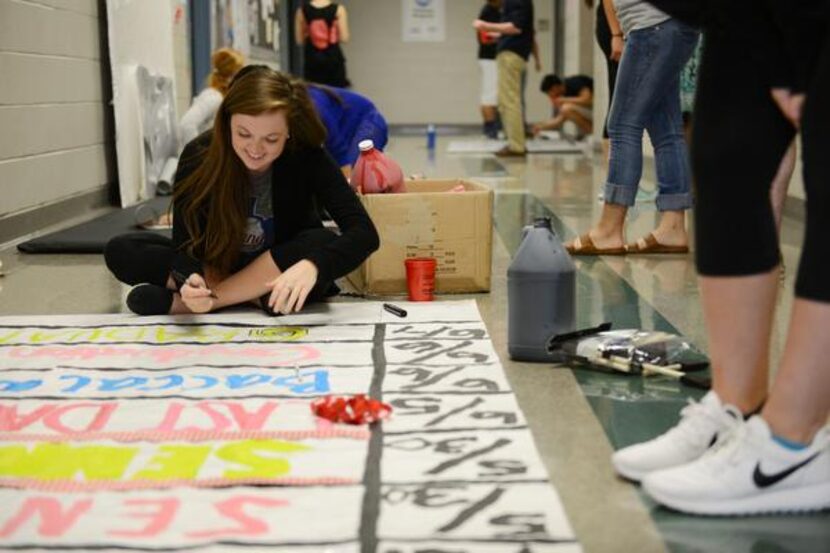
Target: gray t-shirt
point(637, 14)
point(259, 234)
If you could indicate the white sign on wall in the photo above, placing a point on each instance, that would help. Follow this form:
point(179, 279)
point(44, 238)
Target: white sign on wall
point(424, 20)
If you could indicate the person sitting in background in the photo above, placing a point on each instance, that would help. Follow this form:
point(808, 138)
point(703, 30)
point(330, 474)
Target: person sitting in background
point(349, 118)
point(199, 117)
point(246, 226)
point(572, 100)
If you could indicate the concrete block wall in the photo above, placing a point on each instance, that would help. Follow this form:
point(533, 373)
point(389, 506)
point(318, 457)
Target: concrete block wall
point(53, 117)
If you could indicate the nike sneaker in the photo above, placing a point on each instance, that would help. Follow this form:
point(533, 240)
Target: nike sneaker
point(701, 424)
point(748, 474)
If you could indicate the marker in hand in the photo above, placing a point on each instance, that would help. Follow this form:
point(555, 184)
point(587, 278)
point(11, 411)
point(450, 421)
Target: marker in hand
point(204, 286)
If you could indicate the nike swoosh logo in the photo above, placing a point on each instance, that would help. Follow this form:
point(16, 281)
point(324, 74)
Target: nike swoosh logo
point(765, 480)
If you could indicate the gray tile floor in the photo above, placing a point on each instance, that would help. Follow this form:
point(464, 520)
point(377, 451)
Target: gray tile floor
point(577, 418)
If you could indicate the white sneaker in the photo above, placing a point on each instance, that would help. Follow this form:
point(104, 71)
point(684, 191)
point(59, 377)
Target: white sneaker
point(748, 474)
point(699, 428)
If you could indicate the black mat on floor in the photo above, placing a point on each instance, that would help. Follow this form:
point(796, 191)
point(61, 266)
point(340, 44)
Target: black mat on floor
point(91, 236)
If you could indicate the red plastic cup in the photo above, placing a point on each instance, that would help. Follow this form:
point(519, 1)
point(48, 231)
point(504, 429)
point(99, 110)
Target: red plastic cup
point(420, 278)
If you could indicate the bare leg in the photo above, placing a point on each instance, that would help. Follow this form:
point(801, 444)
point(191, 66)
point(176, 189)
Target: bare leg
point(609, 232)
point(246, 285)
point(799, 402)
point(567, 113)
point(583, 123)
point(488, 113)
point(738, 312)
point(781, 182)
point(671, 230)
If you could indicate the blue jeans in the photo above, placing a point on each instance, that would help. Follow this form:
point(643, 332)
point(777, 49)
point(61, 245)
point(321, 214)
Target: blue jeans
point(647, 97)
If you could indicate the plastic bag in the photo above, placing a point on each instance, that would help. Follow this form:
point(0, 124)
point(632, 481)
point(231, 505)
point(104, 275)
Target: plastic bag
point(633, 351)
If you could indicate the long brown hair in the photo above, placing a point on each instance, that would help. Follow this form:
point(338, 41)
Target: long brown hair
point(214, 198)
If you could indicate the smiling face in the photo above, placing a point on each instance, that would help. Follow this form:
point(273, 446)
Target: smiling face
point(259, 139)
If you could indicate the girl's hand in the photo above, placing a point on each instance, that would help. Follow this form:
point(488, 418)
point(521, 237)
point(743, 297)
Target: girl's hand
point(196, 295)
point(617, 44)
point(290, 290)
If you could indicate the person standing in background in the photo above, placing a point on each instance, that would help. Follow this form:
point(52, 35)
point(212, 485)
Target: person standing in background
point(609, 37)
point(646, 98)
point(747, 448)
point(199, 117)
point(514, 48)
point(487, 46)
point(320, 26)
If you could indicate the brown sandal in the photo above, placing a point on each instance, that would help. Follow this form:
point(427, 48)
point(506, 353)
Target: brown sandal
point(650, 245)
point(583, 245)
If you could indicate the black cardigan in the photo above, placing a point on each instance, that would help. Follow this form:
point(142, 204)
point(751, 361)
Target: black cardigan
point(301, 180)
point(783, 37)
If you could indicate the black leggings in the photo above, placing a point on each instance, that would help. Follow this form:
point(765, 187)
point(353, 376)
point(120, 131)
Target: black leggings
point(739, 137)
point(140, 257)
point(602, 32)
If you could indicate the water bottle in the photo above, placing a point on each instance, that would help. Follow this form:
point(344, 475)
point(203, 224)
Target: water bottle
point(374, 172)
point(541, 294)
point(431, 137)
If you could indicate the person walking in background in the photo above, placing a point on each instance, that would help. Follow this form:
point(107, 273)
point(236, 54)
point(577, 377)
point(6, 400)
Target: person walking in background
point(514, 47)
point(226, 62)
point(646, 97)
point(246, 226)
point(320, 26)
point(349, 118)
point(487, 42)
point(572, 100)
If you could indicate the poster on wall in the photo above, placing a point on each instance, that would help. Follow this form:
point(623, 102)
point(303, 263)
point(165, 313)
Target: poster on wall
point(263, 25)
point(424, 20)
point(249, 26)
point(230, 25)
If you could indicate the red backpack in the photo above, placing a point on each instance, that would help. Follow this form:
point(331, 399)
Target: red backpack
point(322, 33)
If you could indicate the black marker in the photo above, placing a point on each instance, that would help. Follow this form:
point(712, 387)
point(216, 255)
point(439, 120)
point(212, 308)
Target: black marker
point(395, 310)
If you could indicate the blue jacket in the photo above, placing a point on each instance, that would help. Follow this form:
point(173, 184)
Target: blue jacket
point(348, 121)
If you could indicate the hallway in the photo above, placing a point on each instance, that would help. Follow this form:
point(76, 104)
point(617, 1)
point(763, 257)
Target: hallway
point(577, 417)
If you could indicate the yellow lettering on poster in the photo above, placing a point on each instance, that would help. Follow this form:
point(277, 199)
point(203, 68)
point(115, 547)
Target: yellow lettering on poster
point(8, 336)
point(254, 454)
point(279, 333)
point(196, 334)
point(125, 334)
point(48, 461)
point(175, 461)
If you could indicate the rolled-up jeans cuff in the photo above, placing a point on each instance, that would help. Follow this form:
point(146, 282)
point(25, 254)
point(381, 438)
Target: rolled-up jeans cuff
point(620, 195)
point(674, 202)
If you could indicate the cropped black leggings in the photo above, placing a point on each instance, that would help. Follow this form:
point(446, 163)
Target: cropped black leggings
point(738, 139)
point(146, 257)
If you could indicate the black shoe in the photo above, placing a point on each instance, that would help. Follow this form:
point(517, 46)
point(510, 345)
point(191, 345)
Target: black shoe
point(150, 299)
point(507, 152)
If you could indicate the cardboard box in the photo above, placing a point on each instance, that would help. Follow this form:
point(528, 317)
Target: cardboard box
point(430, 221)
